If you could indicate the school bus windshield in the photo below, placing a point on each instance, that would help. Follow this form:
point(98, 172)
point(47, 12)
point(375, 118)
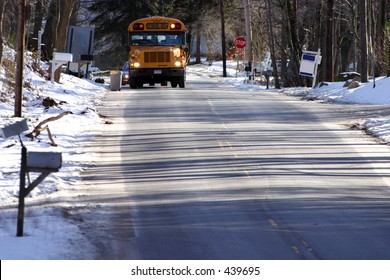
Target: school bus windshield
point(157, 39)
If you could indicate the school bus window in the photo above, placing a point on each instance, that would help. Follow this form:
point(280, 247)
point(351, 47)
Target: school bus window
point(157, 39)
point(171, 39)
point(142, 39)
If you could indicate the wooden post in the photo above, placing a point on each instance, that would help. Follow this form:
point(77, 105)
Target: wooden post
point(222, 11)
point(22, 188)
point(20, 58)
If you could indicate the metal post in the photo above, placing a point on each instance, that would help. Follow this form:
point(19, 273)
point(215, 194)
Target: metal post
point(318, 55)
point(22, 188)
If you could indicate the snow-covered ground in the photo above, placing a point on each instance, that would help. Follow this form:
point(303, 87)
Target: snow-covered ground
point(71, 133)
point(48, 234)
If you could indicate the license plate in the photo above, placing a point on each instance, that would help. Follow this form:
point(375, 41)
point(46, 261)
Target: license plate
point(158, 71)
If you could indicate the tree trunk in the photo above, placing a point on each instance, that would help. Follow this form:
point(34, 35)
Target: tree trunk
point(2, 4)
point(50, 33)
point(39, 13)
point(248, 33)
point(388, 54)
point(291, 15)
point(363, 40)
point(329, 45)
point(283, 58)
point(66, 8)
point(223, 37)
point(272, 44)
point(20, 58)
point(380, 45)
point(198, 42)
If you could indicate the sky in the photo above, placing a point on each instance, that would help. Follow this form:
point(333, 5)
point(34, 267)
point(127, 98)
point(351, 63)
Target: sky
point(47, 231)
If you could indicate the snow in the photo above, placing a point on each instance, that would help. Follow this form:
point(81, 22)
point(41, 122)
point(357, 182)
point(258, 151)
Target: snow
point(46, 231)
point(48, 234)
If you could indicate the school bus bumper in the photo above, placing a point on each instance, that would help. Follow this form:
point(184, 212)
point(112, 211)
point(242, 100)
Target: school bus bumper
point(156, 73)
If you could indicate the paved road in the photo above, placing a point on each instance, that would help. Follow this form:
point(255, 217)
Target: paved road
point(211, 172)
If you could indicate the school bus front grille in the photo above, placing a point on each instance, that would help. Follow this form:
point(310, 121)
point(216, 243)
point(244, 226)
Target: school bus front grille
point(157, 57)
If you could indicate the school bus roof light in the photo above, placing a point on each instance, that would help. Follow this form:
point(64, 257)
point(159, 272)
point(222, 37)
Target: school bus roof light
point(175, 26)
point(138, 26)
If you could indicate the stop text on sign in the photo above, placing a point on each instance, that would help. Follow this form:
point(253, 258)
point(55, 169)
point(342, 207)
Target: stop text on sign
point(240, 42)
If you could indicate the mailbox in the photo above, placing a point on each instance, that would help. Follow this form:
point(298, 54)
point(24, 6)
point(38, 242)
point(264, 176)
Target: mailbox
point(14, 129)
point(65, 57)
point(44, 161)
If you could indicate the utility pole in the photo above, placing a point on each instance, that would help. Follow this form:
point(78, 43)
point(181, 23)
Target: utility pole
point(20, 58)
point(329, 71)
point(248, 31)
point(222, 10)
point(363, 39)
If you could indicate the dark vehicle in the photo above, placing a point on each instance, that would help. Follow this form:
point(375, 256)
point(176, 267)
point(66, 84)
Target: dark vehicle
point(125, 73)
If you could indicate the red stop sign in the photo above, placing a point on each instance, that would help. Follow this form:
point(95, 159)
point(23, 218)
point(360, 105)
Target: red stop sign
point(240, 42)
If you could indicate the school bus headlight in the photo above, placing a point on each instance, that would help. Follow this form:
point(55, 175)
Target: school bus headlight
point(176, 52)
point(136, 64)
point(177, 63)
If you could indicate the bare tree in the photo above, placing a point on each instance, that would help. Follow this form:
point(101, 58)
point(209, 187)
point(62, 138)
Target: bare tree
point(290, 28)
point(56, 29)
point(65, 13)
point(380, 41)
point(2, 5)
point(272, 46)
point(363, 39)
point(66, 10)
point(329, 43)
point(38, 16)
point(50, 33)
point(20, 58)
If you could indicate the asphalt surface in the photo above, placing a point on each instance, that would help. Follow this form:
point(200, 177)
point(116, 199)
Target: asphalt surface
point(212, 172)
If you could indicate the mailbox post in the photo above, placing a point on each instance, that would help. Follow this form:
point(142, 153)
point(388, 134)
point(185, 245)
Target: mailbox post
point(41, 162)
point(309, 65)
point(59, 59)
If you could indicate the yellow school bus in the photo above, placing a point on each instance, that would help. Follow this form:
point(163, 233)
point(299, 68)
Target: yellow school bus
point(158, 52)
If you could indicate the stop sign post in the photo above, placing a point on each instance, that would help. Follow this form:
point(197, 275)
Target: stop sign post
point(240, 42)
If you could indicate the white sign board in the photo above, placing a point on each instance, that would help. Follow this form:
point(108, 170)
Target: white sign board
point(309, 64)
point(80, 41)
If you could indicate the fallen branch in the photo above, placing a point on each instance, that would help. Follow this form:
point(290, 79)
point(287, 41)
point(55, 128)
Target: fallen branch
point(42, 126)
